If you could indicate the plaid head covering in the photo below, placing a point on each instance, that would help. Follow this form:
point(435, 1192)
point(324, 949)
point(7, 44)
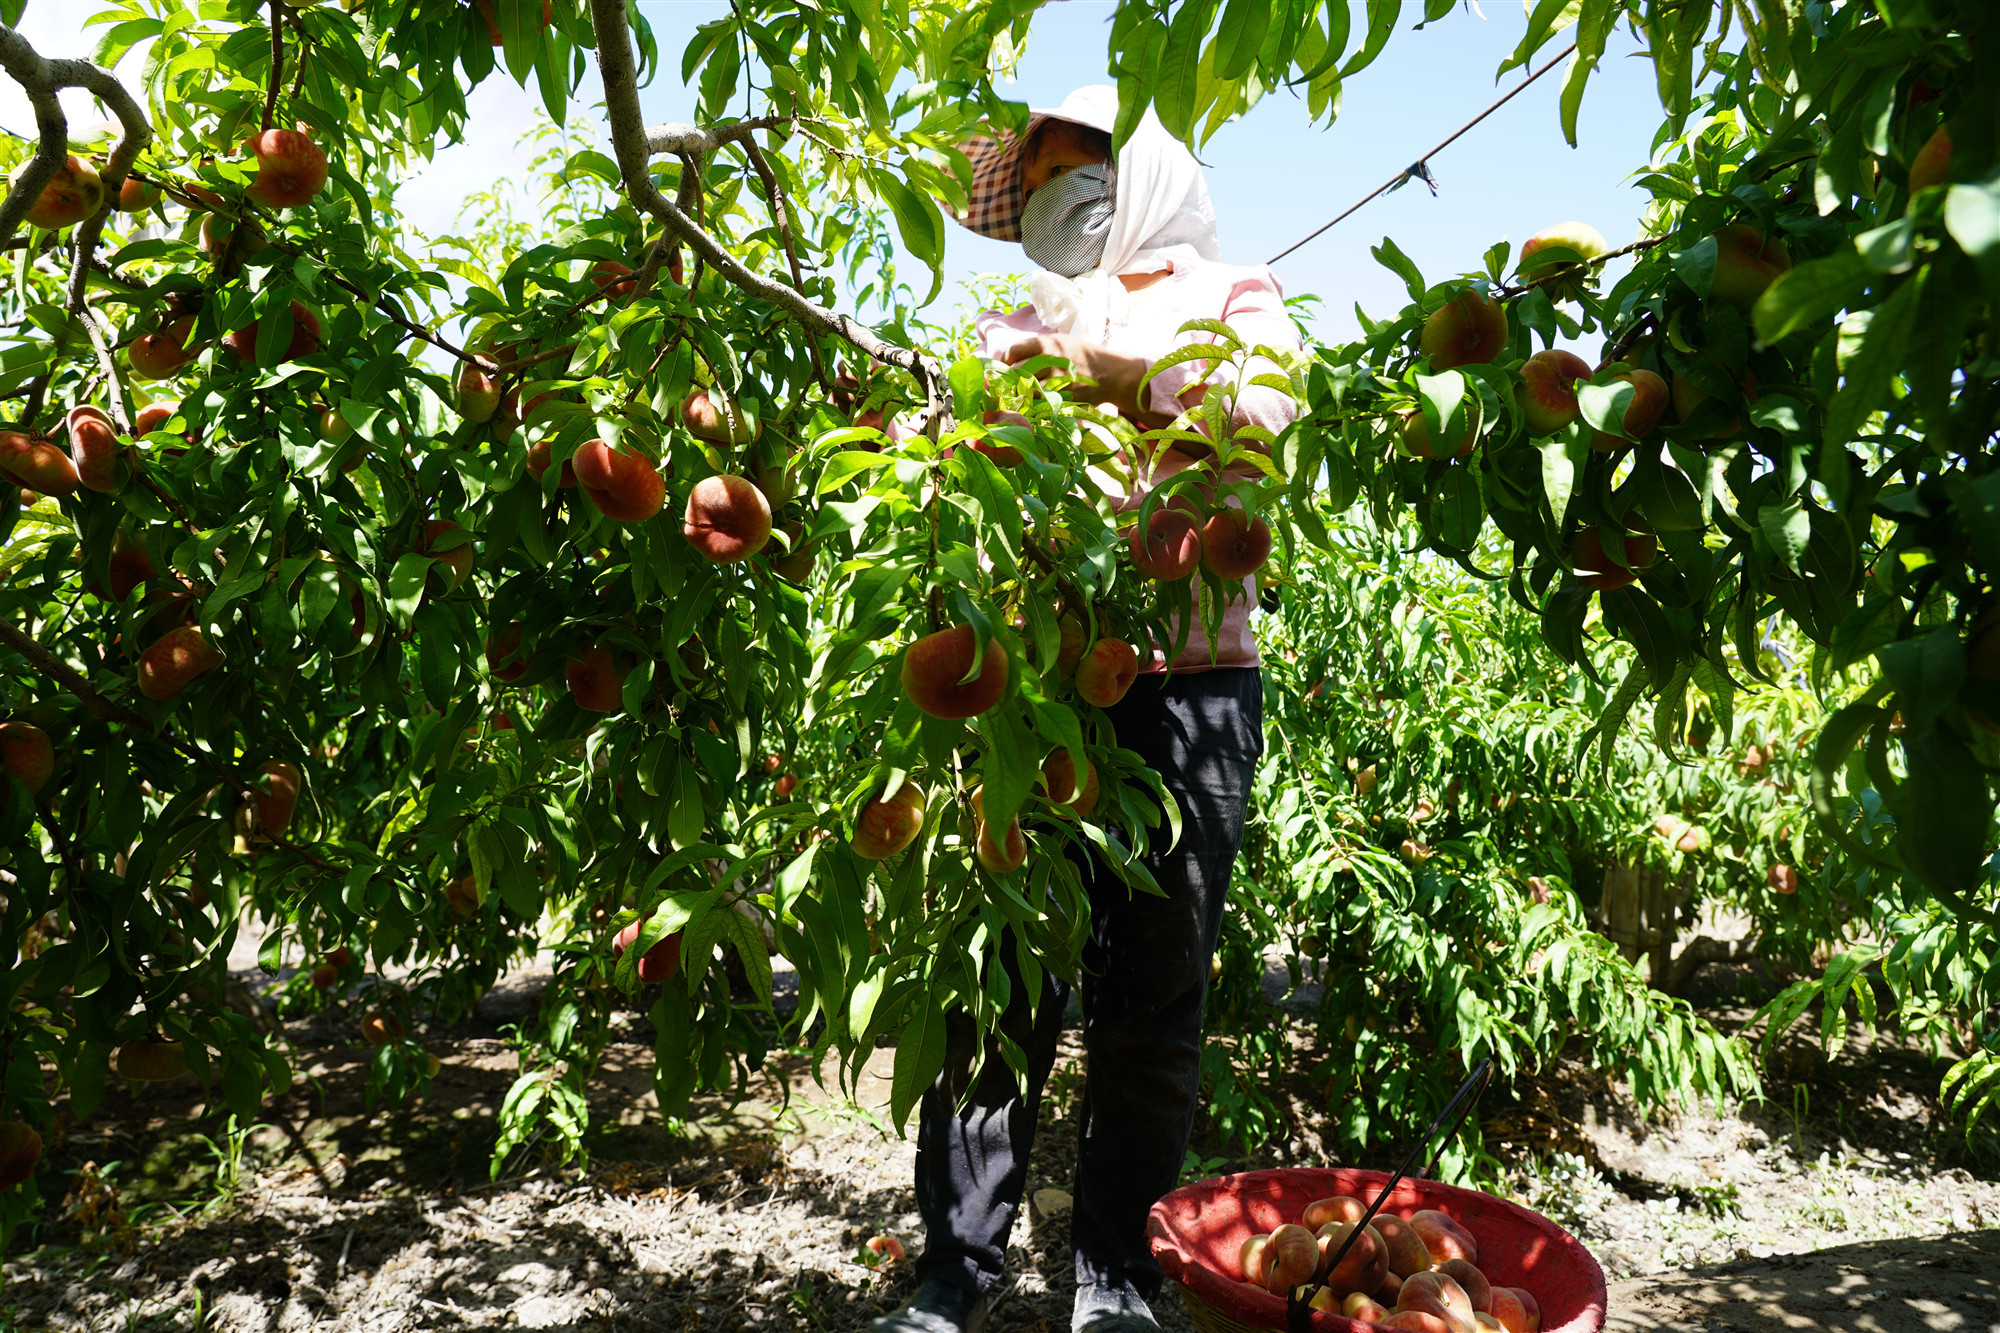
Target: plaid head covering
point(994, 206)
point(1163, 217)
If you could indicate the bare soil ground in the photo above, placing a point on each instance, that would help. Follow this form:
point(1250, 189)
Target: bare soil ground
point(327, 1214)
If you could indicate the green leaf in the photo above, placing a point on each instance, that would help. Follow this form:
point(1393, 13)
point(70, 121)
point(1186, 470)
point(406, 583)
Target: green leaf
point(1382, 16)
point(1927, 672)
point(845, 466)
point(1788, 528)
point(920, 1054)
point(1391, 257)
point(1176, 82)
point(1816, 290)
point(438, 654)
point(1459, 508)
point(1972, 216)
point(406, 585)
point(917, 218)
point(1883, 347)
point(1560, 460)
point(1000, 528)
point(1241, 37)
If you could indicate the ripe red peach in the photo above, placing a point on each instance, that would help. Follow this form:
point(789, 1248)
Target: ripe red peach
point(1746, 262)
point(884, 1251)
point(456, 560)
point(165, 352)
point(1477, 1289)
point(1364, 1265)
point(1596, 568)
point(1648, 403)
point(1339, 1208)
point(1364, 1308)
point(93, 448)
point(660, 963)
point(1516, 1310)
point(135, 196)
point(1932, 164)
point(1547, 392)
point(1059, 783)
point(1584, 240)
point(305, 337)
point(35, 463)
point(596, 679)
point(728, 518)
point(934, 671)
point(888, 824)
point(71, 195)
point(1444, 1237)
point(1234, 545)
point(20, 1150)
point(1440, 1297)
point(625, 487)
point(1170, 548)
point(540, 455)
point(710, 418)
point(174, 659)
point(27, 753)
point(279, 796)
point(1470, 329)
point(1407, 1252)
point(1106, 672)
point(478, 390)
point(291, 168)
point(614, 278)
point(504, 657)
point(1254, 1259)
point(1294, 1258)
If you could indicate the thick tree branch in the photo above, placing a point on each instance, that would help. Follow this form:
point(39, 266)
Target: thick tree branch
point(40, 79)
point(92, 325)
point(634, 149)
point(782, 216)
point(1559, 272)
point(277, 61)
point(30, 71)
point(105, 710)
point(677, 138)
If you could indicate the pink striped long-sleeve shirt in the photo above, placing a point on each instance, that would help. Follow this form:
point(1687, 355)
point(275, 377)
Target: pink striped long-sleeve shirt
point(1252, 304)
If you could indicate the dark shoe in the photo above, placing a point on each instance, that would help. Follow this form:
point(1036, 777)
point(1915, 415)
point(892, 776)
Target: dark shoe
point(939, 1306)
point(1109, 1308)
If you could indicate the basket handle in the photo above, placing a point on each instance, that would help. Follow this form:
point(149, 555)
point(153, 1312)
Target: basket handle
point(1298, 1313)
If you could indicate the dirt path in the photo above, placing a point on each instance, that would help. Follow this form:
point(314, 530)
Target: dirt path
point(1948, 1283)
point(329, 1215)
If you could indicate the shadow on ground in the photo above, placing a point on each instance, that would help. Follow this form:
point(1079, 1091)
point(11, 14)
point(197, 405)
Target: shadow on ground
point(1947, 1283)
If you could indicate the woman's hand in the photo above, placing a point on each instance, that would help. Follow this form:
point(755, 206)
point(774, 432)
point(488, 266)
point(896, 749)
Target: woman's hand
point(1116, 375)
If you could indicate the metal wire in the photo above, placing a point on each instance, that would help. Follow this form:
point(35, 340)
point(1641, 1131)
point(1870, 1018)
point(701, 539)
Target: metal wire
point(1418, 169)
point(1298, 1308)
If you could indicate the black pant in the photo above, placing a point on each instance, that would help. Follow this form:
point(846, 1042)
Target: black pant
point(1145, 977)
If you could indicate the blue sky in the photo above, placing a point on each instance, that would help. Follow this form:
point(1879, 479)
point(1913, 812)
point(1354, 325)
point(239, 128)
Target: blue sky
point(1274, 175)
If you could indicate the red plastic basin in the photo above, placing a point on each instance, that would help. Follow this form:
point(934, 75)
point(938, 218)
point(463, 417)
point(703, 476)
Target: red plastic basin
point(1197, 1231)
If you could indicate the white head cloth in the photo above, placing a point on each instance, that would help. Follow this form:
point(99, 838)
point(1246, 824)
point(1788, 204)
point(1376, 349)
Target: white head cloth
point(1162, 216)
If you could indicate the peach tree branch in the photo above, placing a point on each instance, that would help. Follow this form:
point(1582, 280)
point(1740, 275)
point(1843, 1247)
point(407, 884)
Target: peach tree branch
point(106, 710)
point(634, 149)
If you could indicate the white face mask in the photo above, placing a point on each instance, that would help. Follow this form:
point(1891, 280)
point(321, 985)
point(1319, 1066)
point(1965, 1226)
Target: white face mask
point(1065, 223)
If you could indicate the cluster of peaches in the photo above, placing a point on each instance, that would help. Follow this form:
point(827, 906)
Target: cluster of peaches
point(1472, 329)
point(1418, 1273)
